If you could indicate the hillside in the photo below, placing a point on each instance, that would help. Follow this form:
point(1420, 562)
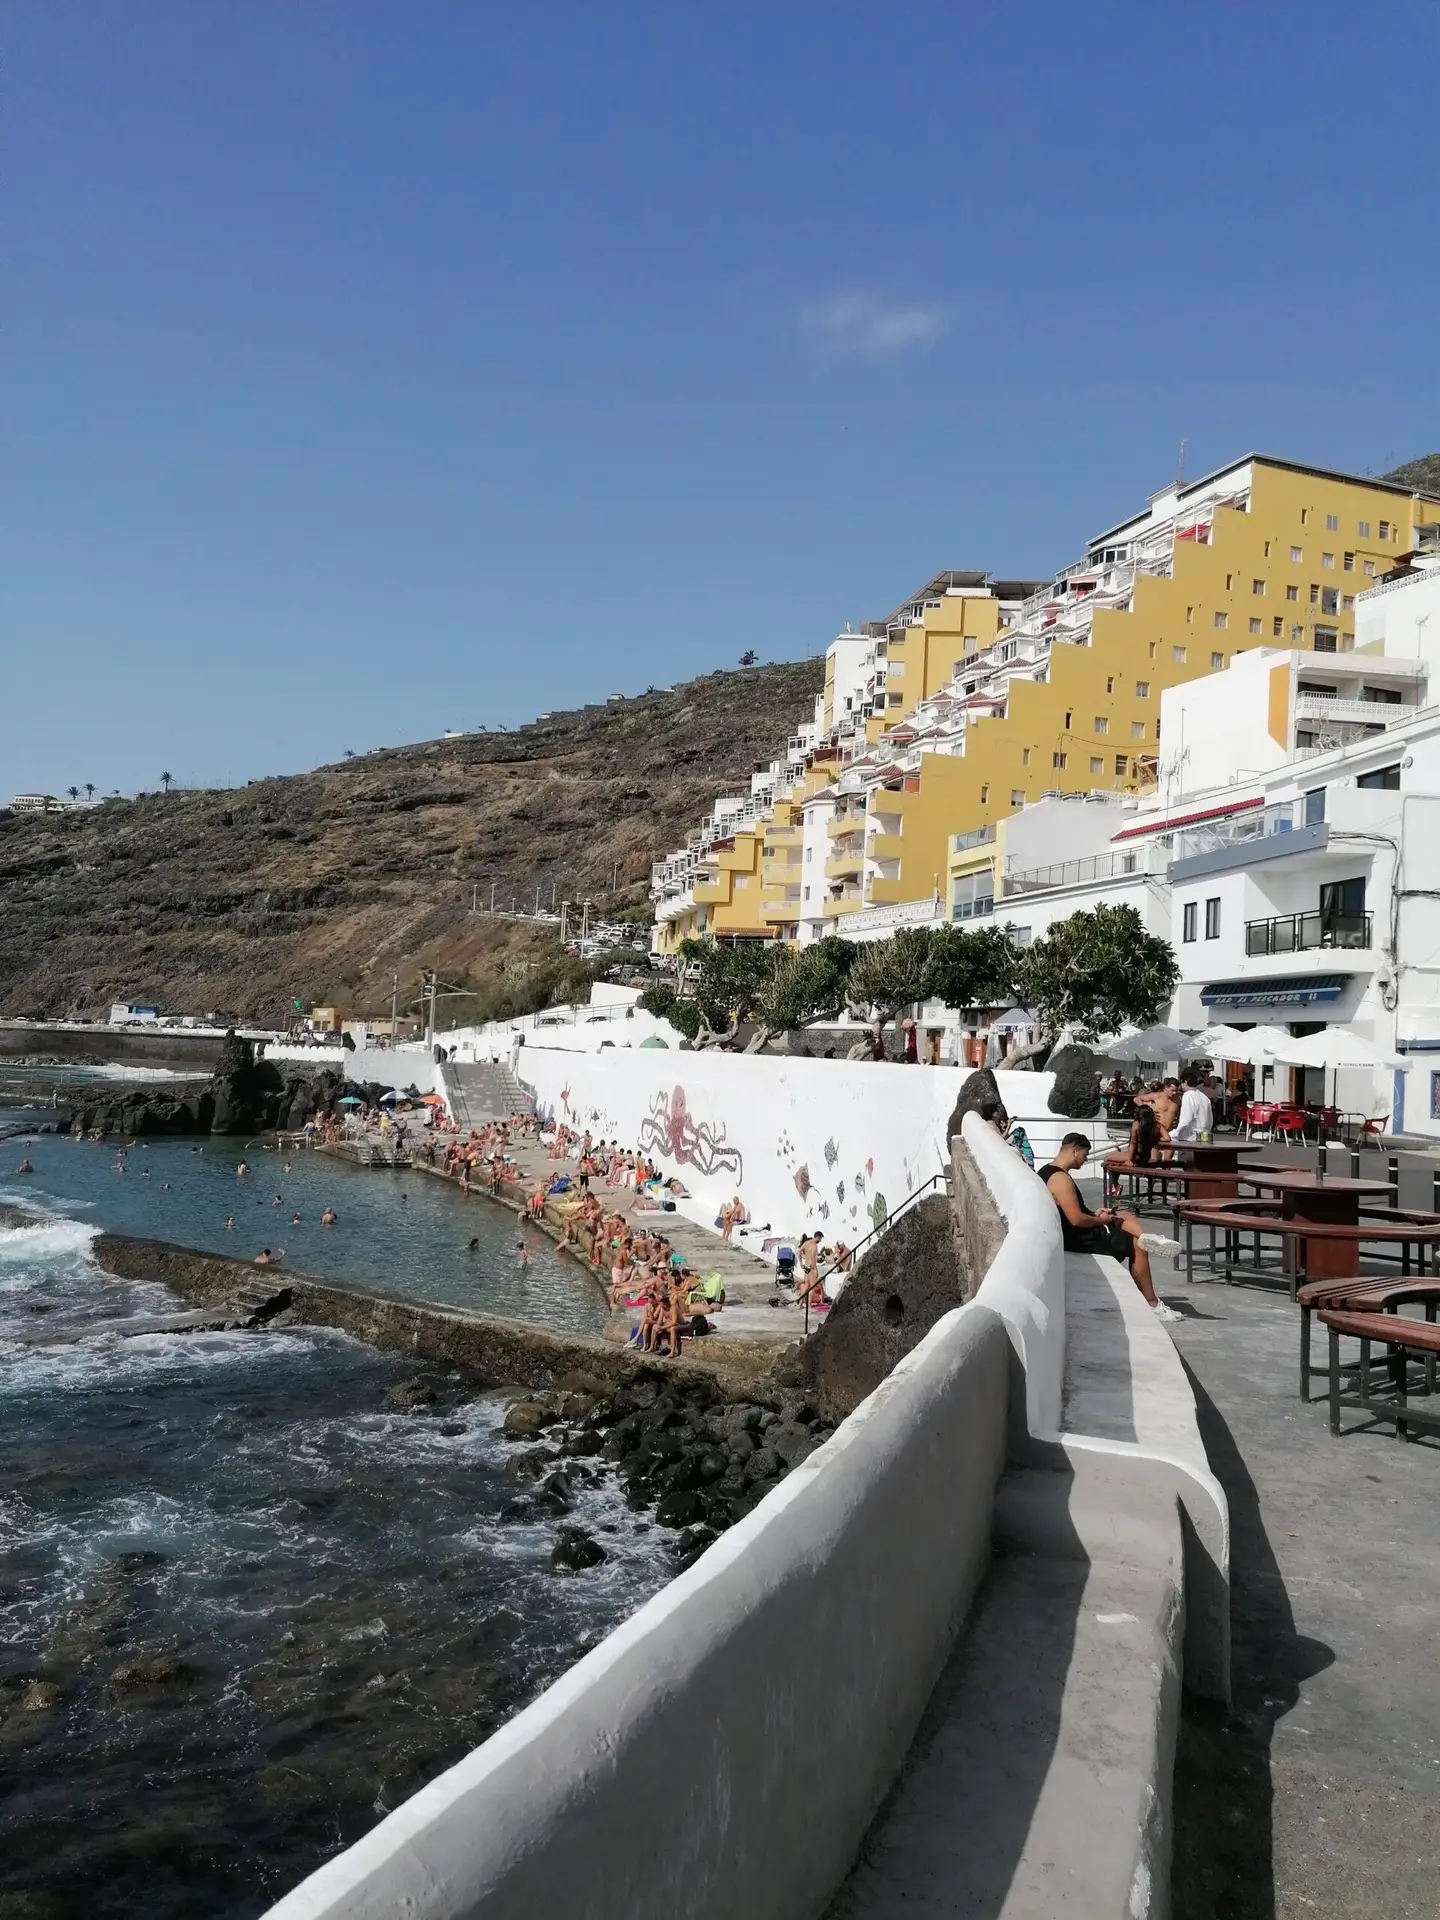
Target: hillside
point(317, 886)
point(1422, 474)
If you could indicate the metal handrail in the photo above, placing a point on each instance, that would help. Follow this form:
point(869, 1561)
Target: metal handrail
point(935, 1180)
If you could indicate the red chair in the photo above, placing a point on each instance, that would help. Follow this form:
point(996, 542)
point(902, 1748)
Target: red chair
point(1289, 1123)
point(1372, 1129)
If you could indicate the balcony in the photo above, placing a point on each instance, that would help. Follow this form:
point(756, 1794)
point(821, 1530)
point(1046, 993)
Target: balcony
point(976, 837)
point(1246, 839)
point(1073, 873)
point(844, 823)
point(884, 846)
point(1302, 932)
point(841, 864)
point(712, 893)
point(884, 893)
point(1373, 713)
point(886, 800)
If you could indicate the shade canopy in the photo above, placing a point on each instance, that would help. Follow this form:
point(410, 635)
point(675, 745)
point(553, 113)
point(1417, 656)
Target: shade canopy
point(654, 1040)
point(1259, 1047)
point(1151, 1043)
point(432, 1099)
point(349, 1100)
point(1337, 1047)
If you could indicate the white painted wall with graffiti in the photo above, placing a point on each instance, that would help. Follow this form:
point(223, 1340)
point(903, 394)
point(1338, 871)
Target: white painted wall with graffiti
point(829, 1145)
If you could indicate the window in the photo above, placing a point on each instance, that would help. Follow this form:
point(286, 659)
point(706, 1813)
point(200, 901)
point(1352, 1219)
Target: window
point(1229, 583)
point(1189, 616)
point(1342, 900)
point(1102, 725)
point(1025, 756)
point(1069, 718)
point(1384, 529)
point(1222, 619)
point(1017, 796)
point(1435, 1096)
point(1267, 549)
point(1304, 515)
point(1347, 601)
point(1097, 765)
point(1314, 594)
point(1137, 729)
point(1327, 562)
point(1187, 921)
point(1348, 562)
point(1121, 765)
point(1277, 627)
point(1177, 654)
point(1369, 568)
point(807, 893)
point(1364, 529)
point(974, 895)
point(1109, 683)
point(1292, 593)
point(1257, 586)
point(1297, 555)
point(984, 796)
point(1142, 689)
point(1255, 627)
point(1057, 760)
point(1152, 649)
point(1332, 523)
point(1212, 918)
point(742, 880)
point(1384, 777)
point(809, 854)
point(1314, 806)
point(1325, 640)
point(1297, 632)
point(1329, 600)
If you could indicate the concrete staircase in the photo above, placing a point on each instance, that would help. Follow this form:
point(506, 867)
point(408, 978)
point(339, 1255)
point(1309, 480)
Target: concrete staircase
point(482, 1091)
point(260, 1299)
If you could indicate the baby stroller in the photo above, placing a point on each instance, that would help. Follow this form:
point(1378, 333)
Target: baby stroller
point(785, 1267)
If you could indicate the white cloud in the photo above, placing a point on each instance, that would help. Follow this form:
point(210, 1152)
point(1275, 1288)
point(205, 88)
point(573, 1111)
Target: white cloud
point(869, 326)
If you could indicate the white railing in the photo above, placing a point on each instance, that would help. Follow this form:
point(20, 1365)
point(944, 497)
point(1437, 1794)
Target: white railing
point(905, 913)
point(1073, 873)
point(1324, 706)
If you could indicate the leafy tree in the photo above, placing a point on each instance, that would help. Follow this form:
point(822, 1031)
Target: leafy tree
point(888, 976)
point(749, 658)
point(802, 985)
point(972, 967)
point(1097, 971)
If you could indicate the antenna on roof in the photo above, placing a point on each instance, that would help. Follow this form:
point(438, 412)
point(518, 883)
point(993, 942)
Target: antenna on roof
point(1180, 466)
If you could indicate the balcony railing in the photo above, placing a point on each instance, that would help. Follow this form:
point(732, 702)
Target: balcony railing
point(1072, 873)
point(1301, 932)
point(1375, 713)
point(977, 837)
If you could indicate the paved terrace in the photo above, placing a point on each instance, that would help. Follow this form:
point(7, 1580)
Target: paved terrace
point(1318, 1794)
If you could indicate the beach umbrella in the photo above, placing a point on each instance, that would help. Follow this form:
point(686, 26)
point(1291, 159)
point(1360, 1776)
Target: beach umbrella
point(1151, 1043)
point(432, 1099)
point(349, 1100)
point(391, 1095)
point(1337, 1047)
point(1257, 1048)
point(654, 1040)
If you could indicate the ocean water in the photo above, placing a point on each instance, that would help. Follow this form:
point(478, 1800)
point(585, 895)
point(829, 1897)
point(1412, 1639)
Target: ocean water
point(269, 1607)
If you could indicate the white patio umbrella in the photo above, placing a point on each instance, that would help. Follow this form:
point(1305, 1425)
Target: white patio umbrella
point(1259, 1047)
point(1337, 1047)
point(1151, 1043)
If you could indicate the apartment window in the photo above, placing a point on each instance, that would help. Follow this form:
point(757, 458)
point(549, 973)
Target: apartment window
point(1212, 917)
point(1255, 627)
point(807, 893)
point(1277, 627)
point(1304, 516)
point(1188, 918)
point(1435, 1096)
point(1097, 765)
point(809, 854)
point(1121, 765)
point(1364, 529)
point(1314, 593)
point(1025, 756)
point(985, 796)
point(1142, 689)
point(1314, 806)
point(1384, 529)
point(1222, 619)
point(1058, 760)
point(1267, 549)
point(1137, 729)
point(1297, 632)
point(1189, 616)
point(1257, 586)
point(1017, 796)
point(1369, 569)
point(1347, 602)
point(1329, 600)
point(1325, 640)
point(1387, 778)
point(1152, 649)
point(1069, 718)
point(1348, 562)
point(1102, 725)
point(1327, 562)
point(741, 880)
point(1292, 593)
point(1109, 683)
point(1332, 523)
point(1229, 583)
point(1297, 555)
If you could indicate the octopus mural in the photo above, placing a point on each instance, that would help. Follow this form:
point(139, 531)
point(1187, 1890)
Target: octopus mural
point(670, 1130)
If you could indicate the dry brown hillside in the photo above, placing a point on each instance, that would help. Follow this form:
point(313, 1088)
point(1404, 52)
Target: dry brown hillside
point(316, 886)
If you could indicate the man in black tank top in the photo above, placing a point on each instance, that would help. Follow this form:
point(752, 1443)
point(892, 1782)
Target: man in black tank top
point(1108, 1231)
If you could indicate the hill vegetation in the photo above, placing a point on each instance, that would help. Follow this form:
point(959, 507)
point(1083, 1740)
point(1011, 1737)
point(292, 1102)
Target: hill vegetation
point(322, 886)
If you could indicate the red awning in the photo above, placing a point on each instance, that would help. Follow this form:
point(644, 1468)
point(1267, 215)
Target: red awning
point(1187, 819)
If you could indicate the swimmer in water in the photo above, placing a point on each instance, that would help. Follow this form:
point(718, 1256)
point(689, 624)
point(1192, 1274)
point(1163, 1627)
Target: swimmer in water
point(474, 1244)
point(25, 1167)
point(523, 1252)
point(241, 1171)
point(294, 1219)
point(277, 1201)
point(230, 1221)
point(286, 1167)
point(328, 1217)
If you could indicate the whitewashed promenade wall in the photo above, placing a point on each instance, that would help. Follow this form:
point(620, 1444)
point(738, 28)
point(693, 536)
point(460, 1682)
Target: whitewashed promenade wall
point(829, 1145)
point(398, 1067)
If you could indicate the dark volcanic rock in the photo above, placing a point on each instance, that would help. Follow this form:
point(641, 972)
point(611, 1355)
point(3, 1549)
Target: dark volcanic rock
point(575, 1551)
point(1076, 1092)
point(979, 1088)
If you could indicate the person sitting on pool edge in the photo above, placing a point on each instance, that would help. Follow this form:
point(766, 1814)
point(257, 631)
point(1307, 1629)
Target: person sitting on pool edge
point(1108, 1231)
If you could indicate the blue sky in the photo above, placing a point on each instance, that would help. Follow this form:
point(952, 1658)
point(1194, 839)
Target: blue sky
point(374, 368)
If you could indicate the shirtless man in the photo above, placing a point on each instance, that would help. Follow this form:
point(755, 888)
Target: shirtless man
point(1108, 1231)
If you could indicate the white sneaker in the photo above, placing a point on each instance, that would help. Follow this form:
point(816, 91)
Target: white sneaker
point(1159, 1243)
point(1162, 1312)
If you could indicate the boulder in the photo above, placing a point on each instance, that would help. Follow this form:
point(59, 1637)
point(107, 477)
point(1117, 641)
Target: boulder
point(575, 1551)
point(679, 1509)
point(410, 1394)
point(39, 1696)
point(525, 1419)
point(975, 1091)
point(1076, 1092)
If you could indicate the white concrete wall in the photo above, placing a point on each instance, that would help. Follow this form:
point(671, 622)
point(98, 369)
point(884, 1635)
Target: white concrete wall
point(392, 1066)
point(722, 1753)
point(832, 1145)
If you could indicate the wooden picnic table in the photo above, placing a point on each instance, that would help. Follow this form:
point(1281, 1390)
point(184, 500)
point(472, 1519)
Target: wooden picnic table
point(1204, 1170)
point(1328, 1202)
point(1308, 1244)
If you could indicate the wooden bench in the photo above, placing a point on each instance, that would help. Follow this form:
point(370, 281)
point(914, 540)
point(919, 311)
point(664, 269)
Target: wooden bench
point(1402, 1338)
point(1384, 1227)
point(1371, 1293)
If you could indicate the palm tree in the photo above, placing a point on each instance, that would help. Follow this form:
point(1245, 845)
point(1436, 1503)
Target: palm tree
point(89, 789)
point(349, 753)
point(74, 792)
point(165, 780)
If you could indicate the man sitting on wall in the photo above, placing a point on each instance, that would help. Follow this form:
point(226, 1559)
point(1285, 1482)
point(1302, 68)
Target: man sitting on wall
point(1108, 1231)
